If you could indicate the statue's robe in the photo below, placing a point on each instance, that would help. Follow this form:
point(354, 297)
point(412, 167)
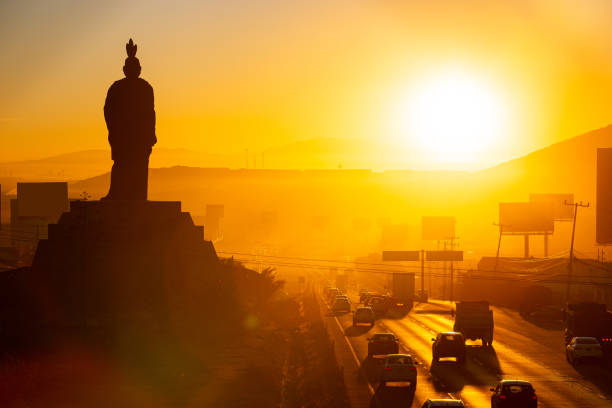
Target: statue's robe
point(130, 118)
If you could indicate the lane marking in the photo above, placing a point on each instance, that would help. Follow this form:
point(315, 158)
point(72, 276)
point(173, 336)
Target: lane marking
point(370, 388)
point(354, 354)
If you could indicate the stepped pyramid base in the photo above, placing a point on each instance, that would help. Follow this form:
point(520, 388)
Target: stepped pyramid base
point(105, 260)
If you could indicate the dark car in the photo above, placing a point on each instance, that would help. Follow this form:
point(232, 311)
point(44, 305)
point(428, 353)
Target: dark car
point(364, 296)
point(515, 394)
point(380, 304)
point(363, 315)
point(332, 293)
point(421, 296)
point(448, 344)
point(341, 305)
point(383, 343)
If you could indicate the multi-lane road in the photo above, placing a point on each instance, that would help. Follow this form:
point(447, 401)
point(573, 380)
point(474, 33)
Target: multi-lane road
point(521, 350)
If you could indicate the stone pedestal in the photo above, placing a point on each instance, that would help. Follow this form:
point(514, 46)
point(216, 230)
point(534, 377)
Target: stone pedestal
point(105, 261)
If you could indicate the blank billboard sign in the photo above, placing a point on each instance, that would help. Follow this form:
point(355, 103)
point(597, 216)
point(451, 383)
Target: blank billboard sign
point(561, 211)
point(438, 228)
point(444, 255)
point(604, 196)
point(527, 217)
point(42, 199)
point(400, 256)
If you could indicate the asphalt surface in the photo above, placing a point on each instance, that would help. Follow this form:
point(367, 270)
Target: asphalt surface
point(521, 350)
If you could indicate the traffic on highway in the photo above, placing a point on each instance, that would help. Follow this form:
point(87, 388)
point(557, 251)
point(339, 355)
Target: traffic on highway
point(472, 354)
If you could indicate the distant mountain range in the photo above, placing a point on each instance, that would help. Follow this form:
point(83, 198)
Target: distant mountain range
point(321, 153)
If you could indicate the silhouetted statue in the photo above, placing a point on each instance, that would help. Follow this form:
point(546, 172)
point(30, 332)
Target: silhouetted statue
point(130, 118)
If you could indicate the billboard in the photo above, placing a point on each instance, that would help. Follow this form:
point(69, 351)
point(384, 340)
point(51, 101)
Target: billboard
point(42, 199)
point(604, 196)
point(400, 255)
point(438, 228)
point(561, 212)
point(524, 218)
point(444, 255)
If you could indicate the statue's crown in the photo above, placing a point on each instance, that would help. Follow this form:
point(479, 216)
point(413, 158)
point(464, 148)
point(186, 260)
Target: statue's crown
point(131, 48)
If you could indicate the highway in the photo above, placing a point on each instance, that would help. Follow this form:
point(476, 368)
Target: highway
point(521, 350)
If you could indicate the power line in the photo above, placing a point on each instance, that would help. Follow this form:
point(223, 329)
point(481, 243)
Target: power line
point(385, 266)
point(387, 272)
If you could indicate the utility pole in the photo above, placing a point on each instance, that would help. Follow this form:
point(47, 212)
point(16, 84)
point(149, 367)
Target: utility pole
point(452, 242)
point(422, 271)
point(570, 266)
point(451, 281)
point(444, 275)
point(498, 245)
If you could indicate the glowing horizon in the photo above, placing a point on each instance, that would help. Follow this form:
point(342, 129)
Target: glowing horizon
point(237, 75)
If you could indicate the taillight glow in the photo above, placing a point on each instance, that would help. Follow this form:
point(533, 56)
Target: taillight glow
point(502, 397)
point(535, 397)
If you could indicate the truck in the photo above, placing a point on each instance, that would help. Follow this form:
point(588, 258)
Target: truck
point(475, 321)
point(402, 289)
point(342, 282)
point(589, 319)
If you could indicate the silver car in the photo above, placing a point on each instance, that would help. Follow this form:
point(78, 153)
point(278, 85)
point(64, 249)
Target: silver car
point(583, 347)
point(341, 305)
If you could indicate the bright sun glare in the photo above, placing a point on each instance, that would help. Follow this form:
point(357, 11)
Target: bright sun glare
point(453, 117)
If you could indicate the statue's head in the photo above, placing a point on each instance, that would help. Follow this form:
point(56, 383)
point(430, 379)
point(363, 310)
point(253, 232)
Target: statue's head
point(131, 69)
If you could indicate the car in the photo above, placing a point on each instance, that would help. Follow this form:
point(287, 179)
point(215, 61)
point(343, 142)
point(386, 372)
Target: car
point(431, 403)
point(380, 304)
point(421, 296)
point(363, 315)
point(448, 344)
point(371, 297)
point(342, 296)
point(515, 394)
point(364, 296)
point(383, 343)
point(580, 348)
point(341, 305)
point(332, 293)
point(363, 290)
point(399, 368)
point(367, 298)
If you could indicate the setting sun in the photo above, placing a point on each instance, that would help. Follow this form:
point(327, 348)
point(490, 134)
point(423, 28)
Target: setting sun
point(453, 116)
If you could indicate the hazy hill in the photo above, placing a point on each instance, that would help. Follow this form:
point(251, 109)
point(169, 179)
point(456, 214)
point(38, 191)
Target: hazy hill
point(88, 163)
point(333, 153)
point(318, 153)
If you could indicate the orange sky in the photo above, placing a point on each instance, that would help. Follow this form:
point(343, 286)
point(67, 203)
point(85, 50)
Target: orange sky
point(230, 75)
